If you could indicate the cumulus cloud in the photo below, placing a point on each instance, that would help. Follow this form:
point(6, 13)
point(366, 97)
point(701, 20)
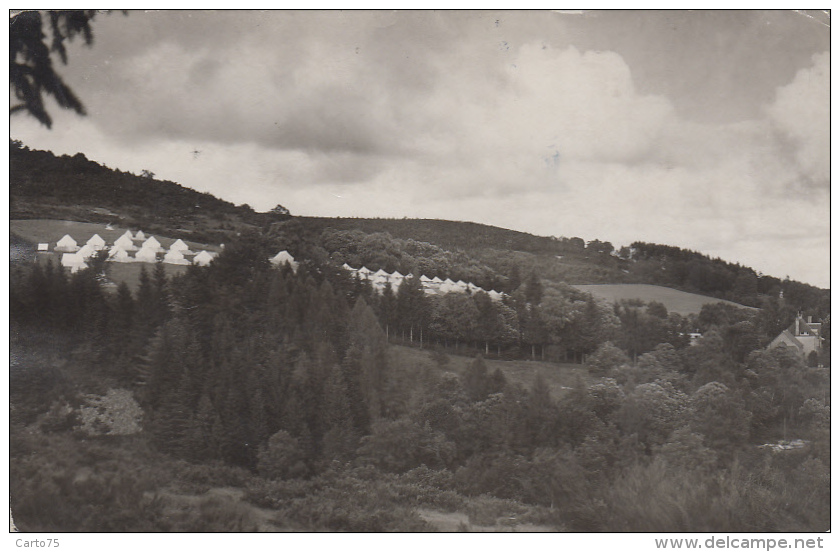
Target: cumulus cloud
point(801, 111)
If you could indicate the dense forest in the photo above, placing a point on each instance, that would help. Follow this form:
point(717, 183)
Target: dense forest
point(296, 389)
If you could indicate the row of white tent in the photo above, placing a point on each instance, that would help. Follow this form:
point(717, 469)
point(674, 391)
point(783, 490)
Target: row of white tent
point(75, 257)
point(431, 286)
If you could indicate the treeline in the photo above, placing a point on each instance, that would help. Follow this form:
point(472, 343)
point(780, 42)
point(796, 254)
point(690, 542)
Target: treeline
point(450, 234)
point(692, 271)
point(289, 376)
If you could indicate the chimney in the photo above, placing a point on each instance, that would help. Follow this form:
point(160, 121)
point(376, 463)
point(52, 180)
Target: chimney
point(809, 319)
point(797, 326)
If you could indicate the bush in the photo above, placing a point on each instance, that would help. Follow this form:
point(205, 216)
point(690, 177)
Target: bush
point(281, 458)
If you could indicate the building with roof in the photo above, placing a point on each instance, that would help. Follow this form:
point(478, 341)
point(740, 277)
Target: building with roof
point(803, 335)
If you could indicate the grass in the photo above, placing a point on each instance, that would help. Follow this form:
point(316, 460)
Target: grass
point(559, 377)
point(680, 302)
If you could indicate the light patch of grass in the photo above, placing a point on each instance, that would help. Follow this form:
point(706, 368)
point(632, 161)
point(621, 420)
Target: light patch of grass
point(680, 302)
point(559, 377)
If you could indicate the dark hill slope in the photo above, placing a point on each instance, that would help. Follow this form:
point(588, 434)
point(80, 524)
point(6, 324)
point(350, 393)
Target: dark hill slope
point(45, 186)
point(447, 234)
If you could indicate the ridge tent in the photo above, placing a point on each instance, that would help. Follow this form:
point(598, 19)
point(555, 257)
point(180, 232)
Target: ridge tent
point(152, 244)
point(96, 242)
point(119, 255)
point(175, 257)
point(146, 255)
point(203, 258)
point(86, 252)
point(73, 261)
point(126, 243)
point(66, 244)
point(179, 245)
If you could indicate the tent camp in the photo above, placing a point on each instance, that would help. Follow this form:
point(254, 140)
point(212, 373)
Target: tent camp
point(66, 244)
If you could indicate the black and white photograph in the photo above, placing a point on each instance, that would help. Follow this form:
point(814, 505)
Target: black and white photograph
point(562, 271)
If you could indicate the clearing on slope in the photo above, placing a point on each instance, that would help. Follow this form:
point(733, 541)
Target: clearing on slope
point(680, 302)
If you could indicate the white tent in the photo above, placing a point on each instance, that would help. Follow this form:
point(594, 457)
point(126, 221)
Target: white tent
point(96, 242)
point(284, 257)
point(437, 280)
point(152, 244)
point(66, 244)
point(128, 235)
point(119, 255)
point(43, 247)
point(396, 275)
point(381, 273)
point(179, 245)
point(73, 261)
point(203, 258)
point(139, 236)
point(365, 270)
point(346, 266)
point(175, 257)
point(146, 255)
point(86, 252)
point(425, 279)
point(125, 243)
point(494, 295)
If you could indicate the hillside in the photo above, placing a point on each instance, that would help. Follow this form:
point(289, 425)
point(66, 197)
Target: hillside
point(45, 186)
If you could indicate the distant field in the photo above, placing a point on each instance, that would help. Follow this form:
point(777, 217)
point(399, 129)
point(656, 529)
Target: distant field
point(680, 302)
point(559, 377)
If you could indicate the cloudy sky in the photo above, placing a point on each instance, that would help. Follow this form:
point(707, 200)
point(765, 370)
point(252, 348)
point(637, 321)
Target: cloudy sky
point(705, 130)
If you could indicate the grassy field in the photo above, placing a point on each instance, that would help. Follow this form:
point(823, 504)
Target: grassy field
point(560, 377)
point(680, 302)
point(25, 234)
point(50, 231)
